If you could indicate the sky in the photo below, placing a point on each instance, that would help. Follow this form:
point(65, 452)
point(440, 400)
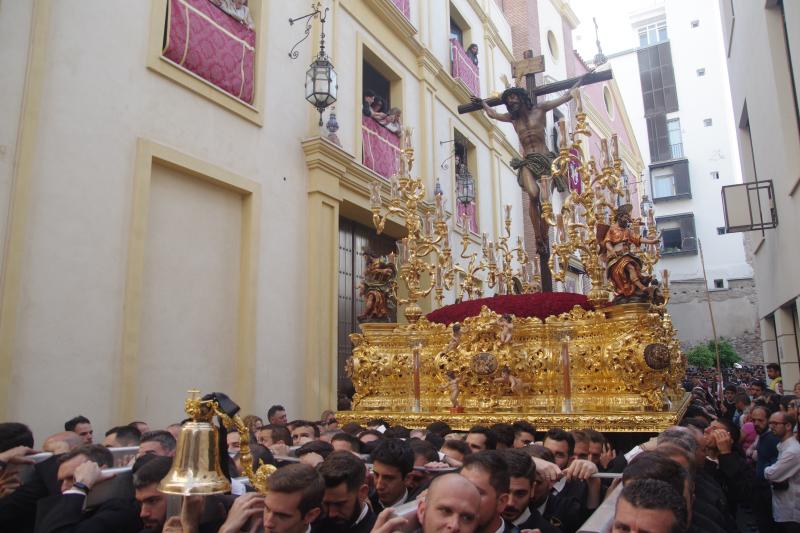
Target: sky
point(613, 24)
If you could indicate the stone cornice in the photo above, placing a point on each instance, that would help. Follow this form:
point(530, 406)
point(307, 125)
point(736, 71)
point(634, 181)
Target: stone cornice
point(566, 13)
point(494, 36)
point(320, 153)
point(396, 21)
point(429, 63)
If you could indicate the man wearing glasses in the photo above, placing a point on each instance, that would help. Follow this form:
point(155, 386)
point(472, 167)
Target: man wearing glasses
point(784, 474)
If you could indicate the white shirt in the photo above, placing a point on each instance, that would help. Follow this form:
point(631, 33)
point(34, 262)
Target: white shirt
point(524, 516)
point(502, 526)
point(401, 501)
point(363, 514)
point(785, 506)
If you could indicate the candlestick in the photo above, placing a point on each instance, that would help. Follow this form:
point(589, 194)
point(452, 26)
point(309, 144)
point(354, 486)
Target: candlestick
point(562, 232)
point(484, 242)
point(614, 147)
point(393, 188)
point(375, 194)
point(439, 207)
point(438, 277)
point(491, 253)
point(402, 249)
point(428, 225)
point(562, 133)
point(508, 212)
point(605, 159)
point(579, 101)
point(464, 226)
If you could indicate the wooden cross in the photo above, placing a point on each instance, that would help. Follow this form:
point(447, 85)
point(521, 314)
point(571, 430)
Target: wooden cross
point(527, 68)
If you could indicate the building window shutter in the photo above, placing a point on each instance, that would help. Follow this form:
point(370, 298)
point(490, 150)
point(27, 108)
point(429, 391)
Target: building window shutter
point(682, 183)
point(658, 136)
point(688, 238)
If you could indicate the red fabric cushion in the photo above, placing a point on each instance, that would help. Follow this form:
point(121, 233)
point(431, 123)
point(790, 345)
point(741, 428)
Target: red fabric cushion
point(540, 305)
point(212, 44)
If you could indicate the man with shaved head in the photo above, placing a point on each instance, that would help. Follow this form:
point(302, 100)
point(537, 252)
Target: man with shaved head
point(63, 442)
point(451, 505)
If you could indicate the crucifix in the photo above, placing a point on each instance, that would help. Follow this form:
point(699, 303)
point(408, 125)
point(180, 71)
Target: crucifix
point(529, 119)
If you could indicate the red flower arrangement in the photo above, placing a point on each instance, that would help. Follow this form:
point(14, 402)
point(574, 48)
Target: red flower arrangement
point(540, 304)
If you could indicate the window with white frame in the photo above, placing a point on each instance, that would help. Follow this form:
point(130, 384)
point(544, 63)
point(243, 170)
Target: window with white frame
point(653, 33)
point(674, 138)
point(664, 186)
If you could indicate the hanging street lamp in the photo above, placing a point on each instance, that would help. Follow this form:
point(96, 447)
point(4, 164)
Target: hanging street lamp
point(321, 86)
point(465, 185)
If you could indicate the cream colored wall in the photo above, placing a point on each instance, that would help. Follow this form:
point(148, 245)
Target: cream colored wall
point(190, 301)
point(97, 317)
point(15, 29)
point(96, 100)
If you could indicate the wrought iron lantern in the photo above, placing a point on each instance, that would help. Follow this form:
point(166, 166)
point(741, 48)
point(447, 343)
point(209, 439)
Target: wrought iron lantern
point(465, 185)
point(321, 84)
point(646, 205)
point(321, 87)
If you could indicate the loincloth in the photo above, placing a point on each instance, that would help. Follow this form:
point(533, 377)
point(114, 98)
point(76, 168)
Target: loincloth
point(539, 165)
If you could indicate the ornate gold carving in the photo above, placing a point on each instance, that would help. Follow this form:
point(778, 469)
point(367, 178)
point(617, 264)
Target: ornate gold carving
point(610, 381)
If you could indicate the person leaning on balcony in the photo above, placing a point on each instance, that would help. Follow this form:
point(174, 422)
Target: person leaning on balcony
point(393, 120)
point(366, 107)
point(378, 110)
point(472, 52)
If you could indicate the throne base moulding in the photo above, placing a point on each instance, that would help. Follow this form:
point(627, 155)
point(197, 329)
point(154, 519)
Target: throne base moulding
point(618, 369)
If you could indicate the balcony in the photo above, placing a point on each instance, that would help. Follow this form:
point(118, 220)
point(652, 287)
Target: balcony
point(463, 68)
point(211, 44)
point(676, 150)
point(404, 6)
point(380, 146)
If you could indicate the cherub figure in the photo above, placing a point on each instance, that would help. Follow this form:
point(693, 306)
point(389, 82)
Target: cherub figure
point(516, 385)
point(506, 328)
point(454, 339)
point(452, 383)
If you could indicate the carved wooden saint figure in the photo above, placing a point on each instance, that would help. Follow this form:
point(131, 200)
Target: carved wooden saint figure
point(623, 266)
point(377, 289)
point(529, 122)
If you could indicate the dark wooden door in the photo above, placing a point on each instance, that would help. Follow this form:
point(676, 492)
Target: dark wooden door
point(354, 239)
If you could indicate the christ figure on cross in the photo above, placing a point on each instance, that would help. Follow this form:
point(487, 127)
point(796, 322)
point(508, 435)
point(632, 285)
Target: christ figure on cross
point(529, 122)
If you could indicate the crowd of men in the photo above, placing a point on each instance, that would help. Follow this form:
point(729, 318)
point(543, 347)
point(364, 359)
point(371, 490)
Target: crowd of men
point(733, 456)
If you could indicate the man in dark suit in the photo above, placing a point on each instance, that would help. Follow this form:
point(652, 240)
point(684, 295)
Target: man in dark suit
point(18, 509)
point(519, 511)
point(78, 471)
point(488, 471)
point(392, 461)
point(346, 493)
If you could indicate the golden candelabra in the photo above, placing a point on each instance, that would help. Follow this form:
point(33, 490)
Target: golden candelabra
point(588, 210)
point(426, 248)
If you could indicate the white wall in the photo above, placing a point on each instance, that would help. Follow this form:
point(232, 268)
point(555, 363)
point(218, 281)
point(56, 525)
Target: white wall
point(760, 78)
point(706, 148)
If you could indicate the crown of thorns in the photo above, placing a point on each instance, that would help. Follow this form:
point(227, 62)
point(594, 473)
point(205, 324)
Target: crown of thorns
point(519, 91)
point(624, 209)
